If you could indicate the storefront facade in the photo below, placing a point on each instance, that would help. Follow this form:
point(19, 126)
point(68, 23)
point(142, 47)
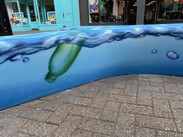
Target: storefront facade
point(129, 12)
point(43, 15)
point(170, 11)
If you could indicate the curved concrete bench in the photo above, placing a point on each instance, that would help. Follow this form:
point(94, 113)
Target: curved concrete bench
point(36, 65)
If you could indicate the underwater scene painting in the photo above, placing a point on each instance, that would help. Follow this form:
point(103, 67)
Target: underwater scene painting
point(37, 65)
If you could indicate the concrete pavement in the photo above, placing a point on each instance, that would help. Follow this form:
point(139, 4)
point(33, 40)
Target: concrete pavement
point(123, 106)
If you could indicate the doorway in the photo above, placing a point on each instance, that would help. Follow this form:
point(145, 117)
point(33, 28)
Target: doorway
point(131, 12)
point(68, 13)
point(5, 28)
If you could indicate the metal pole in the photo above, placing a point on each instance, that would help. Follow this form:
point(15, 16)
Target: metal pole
point(37, 9)
point(28, 12)
point(156, 12)
point(140, 11)
point(126, 12)
point(99, 17)
point(44, 11)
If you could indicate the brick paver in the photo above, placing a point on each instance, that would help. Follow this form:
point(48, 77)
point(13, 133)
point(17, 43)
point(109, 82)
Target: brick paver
point(123, 106)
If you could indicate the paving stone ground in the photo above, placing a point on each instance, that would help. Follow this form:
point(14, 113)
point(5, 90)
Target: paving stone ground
point(122, 106)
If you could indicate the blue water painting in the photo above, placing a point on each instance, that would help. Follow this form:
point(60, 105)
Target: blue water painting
point(37, 65)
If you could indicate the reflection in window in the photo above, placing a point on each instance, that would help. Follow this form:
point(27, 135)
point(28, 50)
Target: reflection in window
point(150, 8)
point(170, 10)
point(47, 12)
point(32, 13)
point(15, 16)
point(105, 11)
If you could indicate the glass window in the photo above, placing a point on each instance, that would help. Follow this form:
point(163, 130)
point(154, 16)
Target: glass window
point(47, 12)
point(32, 12)
point(131, 12)
point(43, 12)
point(15, 16)
point(170, 10)
point(150, 11)
point(101, 11)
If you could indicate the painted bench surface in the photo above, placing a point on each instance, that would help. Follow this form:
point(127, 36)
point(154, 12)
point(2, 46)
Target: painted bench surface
point(36, 65)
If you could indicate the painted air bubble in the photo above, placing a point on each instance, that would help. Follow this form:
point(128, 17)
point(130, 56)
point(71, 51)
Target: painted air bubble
point(154, 51)
point(26, 59)
point(172, 55)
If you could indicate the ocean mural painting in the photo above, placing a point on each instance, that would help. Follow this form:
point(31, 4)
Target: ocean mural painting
point(37, 65)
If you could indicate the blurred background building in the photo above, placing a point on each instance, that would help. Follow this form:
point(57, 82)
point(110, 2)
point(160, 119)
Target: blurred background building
point(46, 15)
point(43, 15)
point(5, 28)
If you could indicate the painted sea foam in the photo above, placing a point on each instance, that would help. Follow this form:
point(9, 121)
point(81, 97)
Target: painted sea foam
point(19, 47)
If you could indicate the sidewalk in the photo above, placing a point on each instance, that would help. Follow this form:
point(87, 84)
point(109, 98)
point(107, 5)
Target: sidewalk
point(123, 106)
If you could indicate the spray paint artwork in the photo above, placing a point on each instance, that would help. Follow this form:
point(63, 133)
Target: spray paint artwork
point(36, 65)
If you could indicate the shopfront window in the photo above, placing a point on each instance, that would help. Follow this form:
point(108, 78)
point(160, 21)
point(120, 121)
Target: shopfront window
point(47, 12)
point(32, 12)
point(17, 16)
point(131, 12)
point(170, 10)
point(106, 11)
point(150, 11)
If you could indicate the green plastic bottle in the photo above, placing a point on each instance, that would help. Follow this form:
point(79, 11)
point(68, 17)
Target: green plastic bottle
point(61, 60)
